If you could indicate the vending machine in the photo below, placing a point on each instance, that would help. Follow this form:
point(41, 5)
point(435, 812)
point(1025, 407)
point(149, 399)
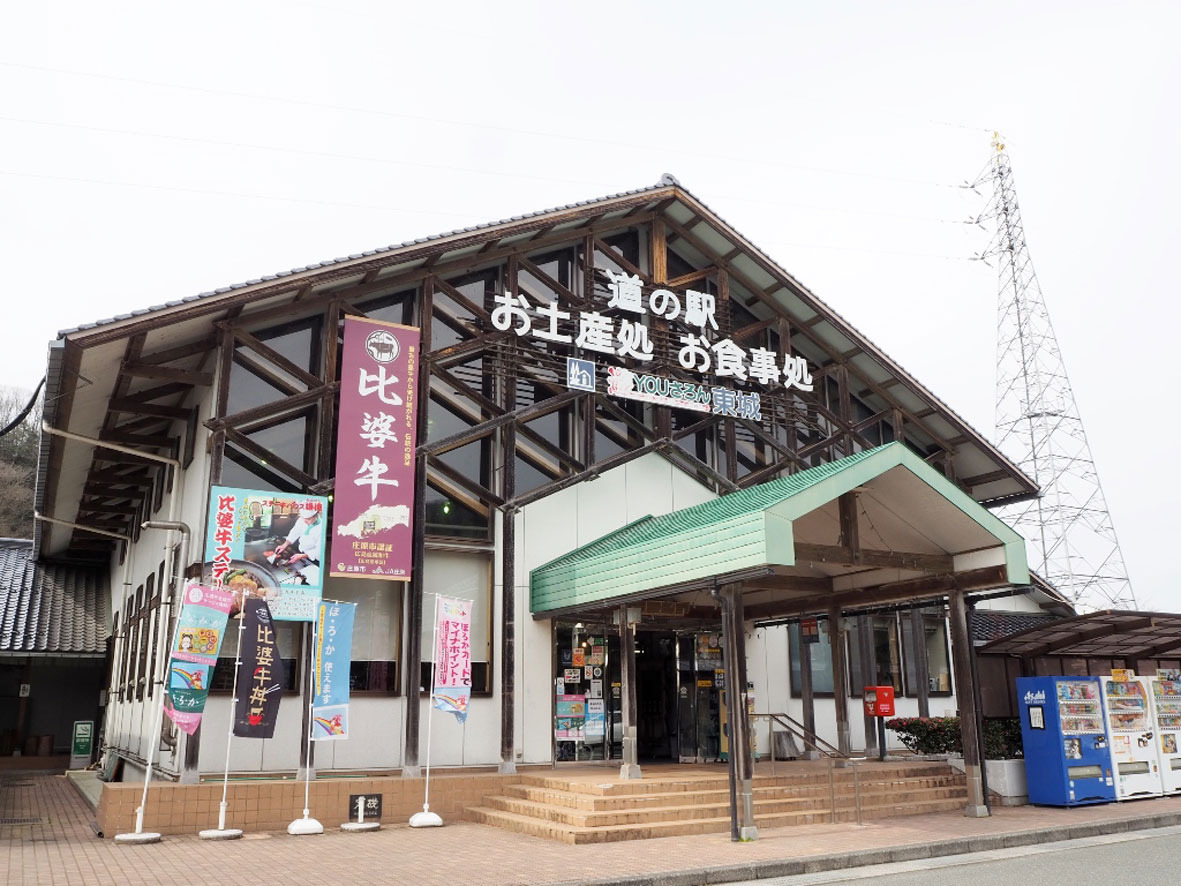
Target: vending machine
point(1166, 706)
point(1067, 762)
point(1133, 736)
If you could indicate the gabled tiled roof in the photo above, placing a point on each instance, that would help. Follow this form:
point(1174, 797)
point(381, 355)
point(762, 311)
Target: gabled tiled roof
point(992, 624)
point(50, 608)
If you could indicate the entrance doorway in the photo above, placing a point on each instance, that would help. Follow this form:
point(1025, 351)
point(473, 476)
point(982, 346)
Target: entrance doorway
point(679, 679)
point(679, 685)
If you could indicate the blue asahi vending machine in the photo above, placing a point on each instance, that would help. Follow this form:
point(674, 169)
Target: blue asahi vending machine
point(1067, 758)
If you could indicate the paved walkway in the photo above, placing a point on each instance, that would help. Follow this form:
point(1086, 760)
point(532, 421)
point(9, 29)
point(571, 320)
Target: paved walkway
point(46, 837)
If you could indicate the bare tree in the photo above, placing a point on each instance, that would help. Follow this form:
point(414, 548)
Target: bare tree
point(18, 462)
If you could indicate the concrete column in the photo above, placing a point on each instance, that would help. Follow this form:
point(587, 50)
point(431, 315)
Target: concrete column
point(736, 698)
point(961, 648)
point(922, 673)
point(840, 679)
point(868, 677)
point(630, 768)
point(807, 694)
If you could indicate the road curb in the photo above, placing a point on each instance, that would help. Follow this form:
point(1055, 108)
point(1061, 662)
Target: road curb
point(787, 867)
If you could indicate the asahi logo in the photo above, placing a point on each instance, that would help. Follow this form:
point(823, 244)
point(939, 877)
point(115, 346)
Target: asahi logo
point(1035, 697)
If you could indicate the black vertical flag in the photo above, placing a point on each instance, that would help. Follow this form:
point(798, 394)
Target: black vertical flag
point(260, 676)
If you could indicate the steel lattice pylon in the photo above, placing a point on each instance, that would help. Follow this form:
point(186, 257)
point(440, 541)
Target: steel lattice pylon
point(1070, 537)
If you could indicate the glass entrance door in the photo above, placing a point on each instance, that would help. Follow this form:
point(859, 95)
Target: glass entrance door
point(699, 681)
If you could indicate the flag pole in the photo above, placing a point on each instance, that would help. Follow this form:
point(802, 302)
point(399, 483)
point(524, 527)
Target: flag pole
point(139, 835)
point(426, 818)
point(307, 824)
point(221, 832)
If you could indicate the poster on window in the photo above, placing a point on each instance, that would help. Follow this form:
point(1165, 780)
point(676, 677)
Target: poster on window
point(453, 656)
point(267, 546)
point(373, 504)
point(332, 659)
point(200, 629)
point(570, 718)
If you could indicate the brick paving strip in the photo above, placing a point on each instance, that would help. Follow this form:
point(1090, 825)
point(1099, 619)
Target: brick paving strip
point(61, 847)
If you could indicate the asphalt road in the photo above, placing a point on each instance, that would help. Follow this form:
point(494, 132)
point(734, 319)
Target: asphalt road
point(1137, 858)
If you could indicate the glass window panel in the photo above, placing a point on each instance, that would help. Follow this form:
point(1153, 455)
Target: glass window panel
point(245, 472)
point(248, 390)
point(822, 675)
point(529, 477)
point(447, 516)
point(376, 628)
point(396, 308)
point(290, 637)
point(288, 440)
point(938, 660)
point(467, 577)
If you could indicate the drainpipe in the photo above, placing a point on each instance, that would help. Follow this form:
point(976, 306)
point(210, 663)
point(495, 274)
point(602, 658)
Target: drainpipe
point(174, 505)
point(167, 604)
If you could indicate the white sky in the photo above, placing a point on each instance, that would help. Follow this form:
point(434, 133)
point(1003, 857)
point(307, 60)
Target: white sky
point(151, 151)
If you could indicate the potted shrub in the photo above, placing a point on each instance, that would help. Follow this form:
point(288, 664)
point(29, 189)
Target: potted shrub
point(1004, 764)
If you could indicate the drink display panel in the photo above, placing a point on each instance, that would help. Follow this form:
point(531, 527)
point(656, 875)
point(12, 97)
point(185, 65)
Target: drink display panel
point(1133, 737)
point(1067, 762)
point(1166, 705)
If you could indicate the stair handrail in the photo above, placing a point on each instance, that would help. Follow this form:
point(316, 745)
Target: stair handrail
point(802, 732)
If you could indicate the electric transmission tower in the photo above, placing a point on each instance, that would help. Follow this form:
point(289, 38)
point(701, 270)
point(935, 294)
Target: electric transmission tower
point(1069, 535)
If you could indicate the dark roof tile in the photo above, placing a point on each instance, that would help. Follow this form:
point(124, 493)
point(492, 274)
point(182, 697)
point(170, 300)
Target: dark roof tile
point(48, 608)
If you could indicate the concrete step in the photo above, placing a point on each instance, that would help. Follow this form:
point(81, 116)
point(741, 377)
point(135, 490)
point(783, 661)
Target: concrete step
point(707, 792)
point(670, 807)
point(582, 810)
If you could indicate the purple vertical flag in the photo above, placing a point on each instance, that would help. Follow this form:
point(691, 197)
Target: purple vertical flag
point(373, 503)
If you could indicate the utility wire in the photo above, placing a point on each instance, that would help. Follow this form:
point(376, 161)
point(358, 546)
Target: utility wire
point(24, 413)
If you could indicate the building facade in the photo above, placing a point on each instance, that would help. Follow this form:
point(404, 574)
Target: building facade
point(596, 383)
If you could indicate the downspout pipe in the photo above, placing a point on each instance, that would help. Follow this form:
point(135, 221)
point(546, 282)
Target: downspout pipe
point(172, 524)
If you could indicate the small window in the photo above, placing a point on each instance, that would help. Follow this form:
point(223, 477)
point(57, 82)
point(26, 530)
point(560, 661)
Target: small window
point(887, 655)
point(376, 631)
point(290, 636)
point(468, 577)
point(821, 653)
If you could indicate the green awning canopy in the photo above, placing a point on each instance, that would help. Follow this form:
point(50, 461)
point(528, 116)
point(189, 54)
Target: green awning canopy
point(877, 525)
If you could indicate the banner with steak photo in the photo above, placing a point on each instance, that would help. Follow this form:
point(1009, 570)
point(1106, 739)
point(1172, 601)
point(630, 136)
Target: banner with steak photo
point(260, 675)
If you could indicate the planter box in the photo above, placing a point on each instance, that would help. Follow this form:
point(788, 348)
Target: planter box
point(1006, 779)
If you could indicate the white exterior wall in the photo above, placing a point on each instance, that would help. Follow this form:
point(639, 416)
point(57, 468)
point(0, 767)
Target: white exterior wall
point(559, 523)
point(544, 530)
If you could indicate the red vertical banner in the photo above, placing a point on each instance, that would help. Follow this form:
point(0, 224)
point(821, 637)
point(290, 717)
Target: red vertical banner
point(373, 502)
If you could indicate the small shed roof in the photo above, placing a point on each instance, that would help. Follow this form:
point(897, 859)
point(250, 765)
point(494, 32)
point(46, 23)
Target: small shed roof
point(50, 609)
point(1108, 634)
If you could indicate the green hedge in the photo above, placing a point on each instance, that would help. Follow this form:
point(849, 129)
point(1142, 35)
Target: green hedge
point(941, 735)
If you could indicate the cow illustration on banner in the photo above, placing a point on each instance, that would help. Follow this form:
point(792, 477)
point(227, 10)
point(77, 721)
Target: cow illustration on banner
point(373, 500)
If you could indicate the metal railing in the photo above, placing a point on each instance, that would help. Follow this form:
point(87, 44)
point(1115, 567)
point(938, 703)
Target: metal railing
point(822, 747)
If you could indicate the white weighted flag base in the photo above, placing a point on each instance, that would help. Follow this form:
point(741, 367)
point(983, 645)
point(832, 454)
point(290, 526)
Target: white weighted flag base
point(220, 834)
point(425, 819)
point(357, 826)
point(305, 825)
point(139, 835)
point(143, 837)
